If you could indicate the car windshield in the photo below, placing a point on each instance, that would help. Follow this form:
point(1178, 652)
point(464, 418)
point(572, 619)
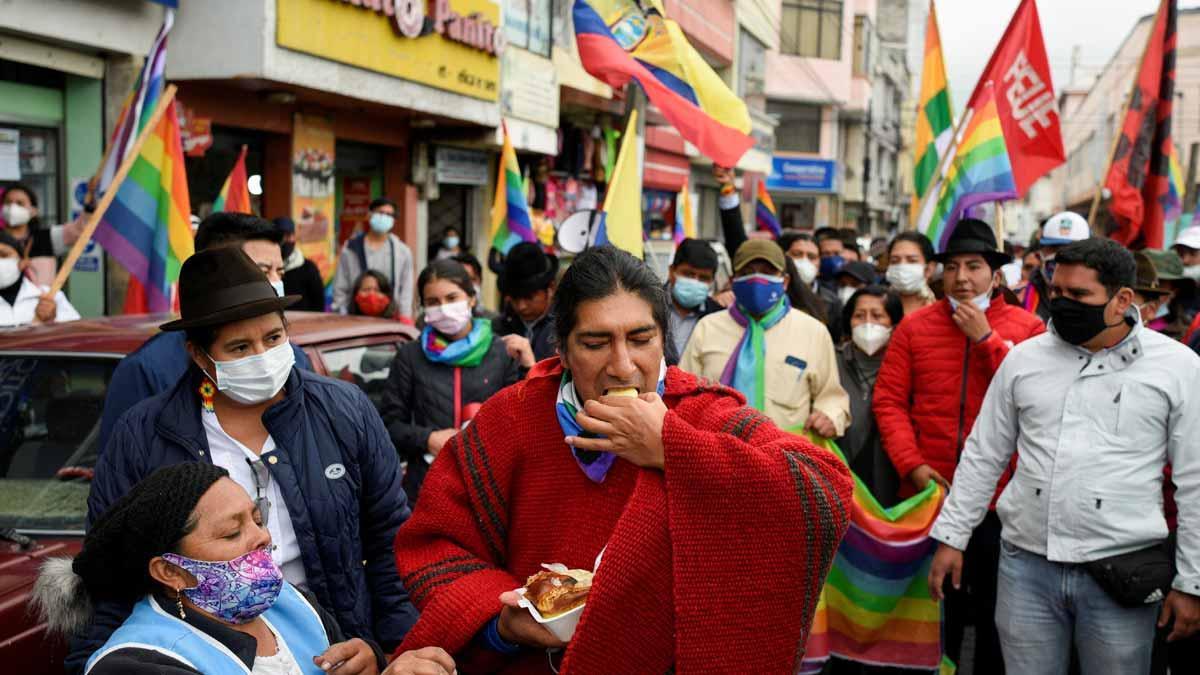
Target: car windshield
point(49, 423)
point(367, 366)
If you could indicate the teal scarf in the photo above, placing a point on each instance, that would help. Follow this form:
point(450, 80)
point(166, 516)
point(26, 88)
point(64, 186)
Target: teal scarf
point(745, 370)
point(465, 353)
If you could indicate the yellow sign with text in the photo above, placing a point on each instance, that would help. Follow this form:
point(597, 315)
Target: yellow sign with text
point(448, 44)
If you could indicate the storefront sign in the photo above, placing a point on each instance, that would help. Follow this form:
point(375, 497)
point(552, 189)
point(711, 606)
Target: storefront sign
point(313, 190)
point(529, 88)
point(800, 174)
point(448, 44)
point(356, 202)
point(195, 132)
point(461, 167)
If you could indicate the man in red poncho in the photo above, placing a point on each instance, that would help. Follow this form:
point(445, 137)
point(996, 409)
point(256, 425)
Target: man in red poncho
point(717, 529)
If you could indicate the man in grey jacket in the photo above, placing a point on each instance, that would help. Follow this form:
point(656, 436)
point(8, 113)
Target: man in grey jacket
point(380, 250)
point(1097, 406)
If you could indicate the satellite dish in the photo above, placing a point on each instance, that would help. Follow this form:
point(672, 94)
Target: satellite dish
point(578, 231)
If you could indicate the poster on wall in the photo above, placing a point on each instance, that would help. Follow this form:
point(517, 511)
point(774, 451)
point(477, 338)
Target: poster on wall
point(313, 190)
point(10, 154)
point(356, 202)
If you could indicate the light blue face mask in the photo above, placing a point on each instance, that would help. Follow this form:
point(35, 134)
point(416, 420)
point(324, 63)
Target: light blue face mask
point(689, 293)
point(450, 243)
point(382, 222)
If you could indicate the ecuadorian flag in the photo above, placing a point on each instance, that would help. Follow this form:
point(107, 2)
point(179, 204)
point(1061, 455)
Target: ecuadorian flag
point(621, 216)
point(619, 41)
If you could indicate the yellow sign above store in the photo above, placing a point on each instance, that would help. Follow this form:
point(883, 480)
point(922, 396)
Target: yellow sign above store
point(448, 44)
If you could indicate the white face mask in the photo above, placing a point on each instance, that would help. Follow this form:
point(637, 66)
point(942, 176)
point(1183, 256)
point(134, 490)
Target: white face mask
point(845, 293)
point(10, 272)
point(806, 269)
point(1192, 272)
point(907, 278)
point(449, 319)
point(254, 379)
point(278, 286)
point(981, 302)
point(16, 215)
point(870, 337)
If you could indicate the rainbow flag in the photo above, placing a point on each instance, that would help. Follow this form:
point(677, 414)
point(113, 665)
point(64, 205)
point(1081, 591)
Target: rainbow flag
point(685, 226)
point(979, 172)
point(935, 118)
point(764, 211)
point(876, 607)
point(511, 223)
point(621, 216)
point(139, 105)
point(147, 228)
point(235, 194)
point(622, 40)
point(1175, 188)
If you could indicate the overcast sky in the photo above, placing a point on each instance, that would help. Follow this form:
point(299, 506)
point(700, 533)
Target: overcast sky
point(972, 28)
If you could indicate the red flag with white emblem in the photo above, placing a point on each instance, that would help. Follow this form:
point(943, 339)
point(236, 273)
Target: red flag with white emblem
point(1025, 99)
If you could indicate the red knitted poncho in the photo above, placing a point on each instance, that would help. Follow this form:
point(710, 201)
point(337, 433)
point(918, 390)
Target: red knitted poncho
point(713, 565)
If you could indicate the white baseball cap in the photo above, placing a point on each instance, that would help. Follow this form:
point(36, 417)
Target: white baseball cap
point(1189, 238)
point(1065, 228)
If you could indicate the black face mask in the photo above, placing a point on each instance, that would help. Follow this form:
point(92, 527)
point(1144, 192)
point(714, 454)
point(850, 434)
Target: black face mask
point(286, 249)
point(1077, 322)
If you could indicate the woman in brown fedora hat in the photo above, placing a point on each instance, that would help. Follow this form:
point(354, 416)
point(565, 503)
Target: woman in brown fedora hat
point(311, 451)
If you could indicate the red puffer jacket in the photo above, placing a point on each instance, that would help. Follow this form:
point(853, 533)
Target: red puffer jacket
point(932, 382)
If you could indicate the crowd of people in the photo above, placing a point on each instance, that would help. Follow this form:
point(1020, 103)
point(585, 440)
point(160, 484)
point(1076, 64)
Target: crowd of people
point(247, 514)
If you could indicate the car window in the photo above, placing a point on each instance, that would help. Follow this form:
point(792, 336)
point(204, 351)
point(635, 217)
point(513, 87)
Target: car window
point(49, 422)
point(366, 366)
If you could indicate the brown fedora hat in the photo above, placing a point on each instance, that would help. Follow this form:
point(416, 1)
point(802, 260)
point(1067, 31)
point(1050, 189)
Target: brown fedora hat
point(222, 285)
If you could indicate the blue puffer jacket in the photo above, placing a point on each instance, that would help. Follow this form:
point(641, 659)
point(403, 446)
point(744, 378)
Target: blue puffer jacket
point(345, 520)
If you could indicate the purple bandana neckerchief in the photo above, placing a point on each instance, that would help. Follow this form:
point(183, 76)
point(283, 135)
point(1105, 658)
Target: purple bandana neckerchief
point(595, 464)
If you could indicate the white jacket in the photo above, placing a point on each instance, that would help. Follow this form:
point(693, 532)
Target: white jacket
point(21, 312)
point(1093, 433)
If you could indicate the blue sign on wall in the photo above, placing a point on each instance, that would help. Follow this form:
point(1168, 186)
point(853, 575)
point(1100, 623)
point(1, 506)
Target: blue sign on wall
point(801, 174)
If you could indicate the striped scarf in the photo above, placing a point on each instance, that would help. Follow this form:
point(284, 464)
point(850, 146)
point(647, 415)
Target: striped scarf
point(745, 370)
point(595, 464)
point(465, 353)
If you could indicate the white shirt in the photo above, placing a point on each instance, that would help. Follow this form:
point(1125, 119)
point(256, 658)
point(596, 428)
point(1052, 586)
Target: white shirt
point(281, 663)
point(1094, 432)
point(21, 312)
point(229, 454)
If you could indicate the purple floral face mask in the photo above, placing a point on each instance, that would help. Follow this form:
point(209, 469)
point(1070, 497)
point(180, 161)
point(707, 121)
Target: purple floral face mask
point(234, 591)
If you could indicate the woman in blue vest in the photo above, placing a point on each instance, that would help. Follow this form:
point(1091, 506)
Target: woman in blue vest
point(188, 547)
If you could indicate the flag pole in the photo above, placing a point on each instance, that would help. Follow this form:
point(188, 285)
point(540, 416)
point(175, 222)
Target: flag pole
point(951, 149)
point(94, 221)
point(1112, 149)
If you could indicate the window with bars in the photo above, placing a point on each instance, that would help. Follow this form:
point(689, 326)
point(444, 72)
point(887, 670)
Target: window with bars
point(799, 127)
point(812, 28)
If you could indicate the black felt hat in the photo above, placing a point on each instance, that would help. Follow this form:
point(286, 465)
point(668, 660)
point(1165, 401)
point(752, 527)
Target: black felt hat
point(972, 235)
point(527, 270)
point(222, 285)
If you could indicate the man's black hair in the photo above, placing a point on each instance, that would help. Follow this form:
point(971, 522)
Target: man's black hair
point(696, 253)
point(788, 238)
point(824, 233)
point(891, 305)
point(381, 201)
point(1114, 264)
point(468, 260)
point(917, 238)
point(232, 229)
point(598, 273)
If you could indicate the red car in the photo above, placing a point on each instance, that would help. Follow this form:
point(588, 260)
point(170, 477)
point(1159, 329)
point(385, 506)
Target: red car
point(53, 381)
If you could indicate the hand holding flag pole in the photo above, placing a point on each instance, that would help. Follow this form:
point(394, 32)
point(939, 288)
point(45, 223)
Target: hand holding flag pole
point(164, 102)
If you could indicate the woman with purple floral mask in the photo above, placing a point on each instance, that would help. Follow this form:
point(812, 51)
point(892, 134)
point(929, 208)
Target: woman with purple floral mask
point(187, 546)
